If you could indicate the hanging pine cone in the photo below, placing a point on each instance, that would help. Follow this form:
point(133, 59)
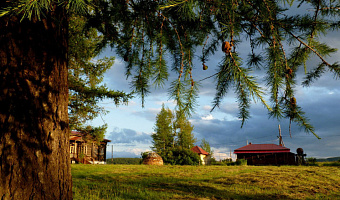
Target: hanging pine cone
point(226, 47)
point(289, 72)
point(126, 57)
point(293, 102)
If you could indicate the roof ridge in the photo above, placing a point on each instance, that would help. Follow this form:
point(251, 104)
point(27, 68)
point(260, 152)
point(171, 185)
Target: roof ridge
point(199, 150)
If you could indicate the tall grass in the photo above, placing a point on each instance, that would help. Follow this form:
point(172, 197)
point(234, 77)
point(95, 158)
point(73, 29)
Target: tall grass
point(205, 182)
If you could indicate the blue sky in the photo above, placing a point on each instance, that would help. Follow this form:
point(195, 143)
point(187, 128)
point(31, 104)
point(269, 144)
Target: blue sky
point(130, 127)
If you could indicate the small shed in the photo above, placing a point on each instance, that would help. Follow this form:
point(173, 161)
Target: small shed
point(266, 154)
point(204, 156)
point(153, 159)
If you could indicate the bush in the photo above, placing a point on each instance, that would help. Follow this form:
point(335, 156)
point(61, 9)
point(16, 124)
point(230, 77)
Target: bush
point(335, 164)
point(241, 162)
point(213, 161)
point(180, 156)
point(311, 162)
point(124, 161)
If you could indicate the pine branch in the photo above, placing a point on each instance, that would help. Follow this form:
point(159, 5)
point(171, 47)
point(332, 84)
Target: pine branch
point(37, 8)
point(303, 122)
point(309, 47)
point(172, 4)
point(98, 92)
point(311, 76)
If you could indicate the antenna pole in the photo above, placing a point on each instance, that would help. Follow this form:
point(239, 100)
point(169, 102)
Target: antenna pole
point(281, 143)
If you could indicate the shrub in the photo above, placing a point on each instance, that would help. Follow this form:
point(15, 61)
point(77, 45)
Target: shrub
point(124, 161)
point(180, 156)
point(241, 162)
point(336, 163)
point(311, 162)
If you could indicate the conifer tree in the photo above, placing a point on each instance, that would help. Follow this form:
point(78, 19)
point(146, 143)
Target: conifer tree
point(163, 138)
point(85, 76)
point(205, 145)
point(34, 55)
point(183, 130)
point(34, 132)
point(173, 137)
point(152, 30)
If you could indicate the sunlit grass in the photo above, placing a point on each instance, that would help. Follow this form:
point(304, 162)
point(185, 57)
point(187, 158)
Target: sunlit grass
point(205, 182)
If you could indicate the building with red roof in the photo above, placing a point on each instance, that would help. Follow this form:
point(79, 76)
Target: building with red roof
point(265, 154)
point(204, 156)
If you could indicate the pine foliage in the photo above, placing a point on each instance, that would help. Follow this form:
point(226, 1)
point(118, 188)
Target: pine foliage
point(85, 79)
point(145, 32)
point(173, 137)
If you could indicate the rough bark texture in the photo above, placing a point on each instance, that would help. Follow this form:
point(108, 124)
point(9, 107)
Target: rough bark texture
point(34, 135)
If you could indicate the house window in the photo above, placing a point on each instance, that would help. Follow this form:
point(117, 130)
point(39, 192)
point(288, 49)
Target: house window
point(72, 149)
point(101, 150)
point(84, 149)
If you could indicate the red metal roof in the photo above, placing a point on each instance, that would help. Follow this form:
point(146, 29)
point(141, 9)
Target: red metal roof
point(199, 150)
point(262, 148)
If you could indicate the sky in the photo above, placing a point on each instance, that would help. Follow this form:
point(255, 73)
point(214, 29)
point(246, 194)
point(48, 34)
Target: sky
point(130, 127)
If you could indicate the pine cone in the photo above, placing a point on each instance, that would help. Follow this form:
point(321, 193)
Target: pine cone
point(226, 47)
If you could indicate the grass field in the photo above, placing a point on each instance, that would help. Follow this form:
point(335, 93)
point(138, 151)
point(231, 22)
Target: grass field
point(205, 182)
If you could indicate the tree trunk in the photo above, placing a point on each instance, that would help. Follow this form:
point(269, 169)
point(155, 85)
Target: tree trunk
point(34, 133)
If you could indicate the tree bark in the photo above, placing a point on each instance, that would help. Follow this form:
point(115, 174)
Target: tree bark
point(34, 133)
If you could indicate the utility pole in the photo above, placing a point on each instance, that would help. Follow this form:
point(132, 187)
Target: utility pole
point(281, 143)
point(112, 152)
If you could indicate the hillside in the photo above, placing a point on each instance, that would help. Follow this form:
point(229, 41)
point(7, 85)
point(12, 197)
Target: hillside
point(332, 159)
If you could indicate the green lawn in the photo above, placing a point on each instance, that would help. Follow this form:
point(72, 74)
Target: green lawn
point(205, 182)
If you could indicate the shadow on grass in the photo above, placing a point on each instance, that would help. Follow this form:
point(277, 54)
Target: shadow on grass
point(193, 190)
point(163, 187)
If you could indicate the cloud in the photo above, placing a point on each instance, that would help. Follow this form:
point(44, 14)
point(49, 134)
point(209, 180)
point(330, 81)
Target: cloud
point(207, 117)
point(207, 108)
point(221, 128)
point(128, 136)
point(148, 113)
point(122, 154)
point(322, 108)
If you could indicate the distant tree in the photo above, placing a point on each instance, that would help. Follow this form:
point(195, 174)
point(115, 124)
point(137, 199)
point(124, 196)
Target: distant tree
point(173, 137)
point(183, 130)
point(206, 146)
point(124, 161)
point(163, 138)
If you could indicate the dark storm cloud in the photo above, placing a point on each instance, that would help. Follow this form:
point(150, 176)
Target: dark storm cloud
point(228, 133)
point(320, 105)
point(128, 136)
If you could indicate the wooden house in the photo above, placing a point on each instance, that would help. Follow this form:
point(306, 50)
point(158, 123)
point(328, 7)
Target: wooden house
point(265, 154)
point(204, 156)
point(87, 151)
